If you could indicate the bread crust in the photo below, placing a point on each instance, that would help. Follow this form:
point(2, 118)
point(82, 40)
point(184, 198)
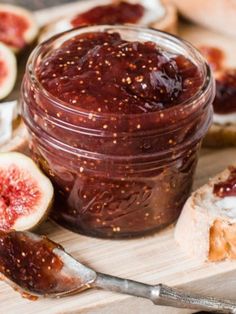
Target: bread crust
point(169, 22)
point(193, 226)
point(220, 136)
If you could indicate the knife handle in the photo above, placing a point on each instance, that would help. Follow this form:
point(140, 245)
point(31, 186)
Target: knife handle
point(163, 295)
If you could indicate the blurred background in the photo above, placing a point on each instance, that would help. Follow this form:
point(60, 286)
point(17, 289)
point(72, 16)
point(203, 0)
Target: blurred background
point(36, 4)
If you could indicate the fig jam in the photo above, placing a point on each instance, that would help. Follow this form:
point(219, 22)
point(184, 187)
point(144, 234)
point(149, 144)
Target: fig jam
point(29, 263)
point(117, 126)
point(119, 12)
point(225, 100)
point(227, 187)
point(12, 29)
point(102, 73)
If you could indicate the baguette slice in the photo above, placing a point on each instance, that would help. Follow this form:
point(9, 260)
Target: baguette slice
point(206, 228)
point(13, 133)
point(158, 14)
point(18, 141)
point(218, 15)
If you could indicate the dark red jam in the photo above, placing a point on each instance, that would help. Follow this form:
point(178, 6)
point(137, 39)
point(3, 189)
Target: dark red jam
point(29, 263)
point(225, 100)
point(12, 29)
point(227, 187)
point(215, 56)
point(114, 133)
point(102, 73)
point(118, 12)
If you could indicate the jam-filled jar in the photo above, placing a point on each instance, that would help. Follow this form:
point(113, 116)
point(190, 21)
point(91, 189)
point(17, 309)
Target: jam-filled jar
point(116, 116)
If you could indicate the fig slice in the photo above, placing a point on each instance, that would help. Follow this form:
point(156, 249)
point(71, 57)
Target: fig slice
point(8, 70)
point(26, 194)
point(18, 27)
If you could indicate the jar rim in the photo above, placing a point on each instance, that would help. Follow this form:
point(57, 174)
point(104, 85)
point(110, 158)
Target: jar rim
point(202, 92)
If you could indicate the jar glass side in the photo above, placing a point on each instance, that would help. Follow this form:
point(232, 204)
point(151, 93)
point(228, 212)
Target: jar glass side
point(131, 177)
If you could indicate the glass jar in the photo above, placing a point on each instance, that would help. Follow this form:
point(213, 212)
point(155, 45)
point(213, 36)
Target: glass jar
point(117, 175)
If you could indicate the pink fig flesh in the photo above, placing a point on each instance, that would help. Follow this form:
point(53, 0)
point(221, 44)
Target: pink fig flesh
point(25, 193)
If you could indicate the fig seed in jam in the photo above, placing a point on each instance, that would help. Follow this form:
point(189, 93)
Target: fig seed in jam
point(30, 264)
point(100, 72)
point(36, 266)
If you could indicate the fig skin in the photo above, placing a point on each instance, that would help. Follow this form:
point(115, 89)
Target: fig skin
point(32, 31)
point(40, 211)
point(9, 59)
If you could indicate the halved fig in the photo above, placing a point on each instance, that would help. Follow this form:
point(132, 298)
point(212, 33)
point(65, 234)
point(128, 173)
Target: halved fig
point(8, 70)
point(154, 13)
point(26, 194)
point(17, 27)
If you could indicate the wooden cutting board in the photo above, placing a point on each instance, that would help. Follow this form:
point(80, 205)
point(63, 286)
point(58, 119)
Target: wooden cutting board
point(152, 259)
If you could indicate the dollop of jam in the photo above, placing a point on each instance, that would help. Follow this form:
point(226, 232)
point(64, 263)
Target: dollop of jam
point(12, 29)
point(29, 263)
point(225, 100)
point(227, 187)
point(119, 12)
point(215, 56)
point(100, 72)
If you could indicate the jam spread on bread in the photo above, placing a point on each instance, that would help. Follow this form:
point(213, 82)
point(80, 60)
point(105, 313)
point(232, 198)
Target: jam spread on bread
point(225, 99)
point(118, 12)
point(227, 187)
point(12, 29)
point(215, 56)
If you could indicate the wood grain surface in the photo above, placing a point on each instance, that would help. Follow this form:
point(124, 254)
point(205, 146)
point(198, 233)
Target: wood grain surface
point(152, 259)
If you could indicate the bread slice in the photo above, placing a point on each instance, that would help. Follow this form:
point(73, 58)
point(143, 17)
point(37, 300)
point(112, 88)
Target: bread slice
point(18, 141)
point(218, 15)
point(13, 133)
point(206, 228)
point(220, 134)
point(159, 15)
